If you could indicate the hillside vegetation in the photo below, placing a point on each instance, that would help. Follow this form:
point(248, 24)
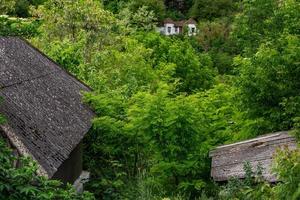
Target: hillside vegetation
point(163, 102)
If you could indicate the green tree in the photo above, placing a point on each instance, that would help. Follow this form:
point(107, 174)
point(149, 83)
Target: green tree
point(124, 65)
point(142, 20)
point(157, 6)
point(22, 8)
point(214, 38)
point(181, 130)
point(115, 6)
point(202, 9)
point(268, 79)
point(83, 23)
point(19, 8)
point(181, 6)
point(156, 132)
point(116, 74)
point(6, 6)
point(11, 26)
point(194, 71)
point(263, 21)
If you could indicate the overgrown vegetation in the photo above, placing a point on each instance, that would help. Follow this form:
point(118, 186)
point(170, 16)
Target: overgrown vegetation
point(11, 26)
point(2, 119)
point(23, 183)
point(163, 102)
point(287, 168)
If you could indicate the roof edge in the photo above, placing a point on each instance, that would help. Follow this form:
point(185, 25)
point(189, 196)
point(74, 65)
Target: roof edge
point(89, 89)
point(265, 136)
point(21, 148)
point(51, 60)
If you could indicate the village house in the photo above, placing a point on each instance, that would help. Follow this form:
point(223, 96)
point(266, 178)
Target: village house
point(228, 160)
point(171, 27)
point(42, 103)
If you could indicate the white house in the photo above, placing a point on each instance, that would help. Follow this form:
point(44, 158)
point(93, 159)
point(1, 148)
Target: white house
point(170, 27)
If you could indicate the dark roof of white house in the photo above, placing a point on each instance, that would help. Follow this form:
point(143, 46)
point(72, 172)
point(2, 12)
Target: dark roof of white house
point(42, 104)
point(180, 23)
point(168, 21)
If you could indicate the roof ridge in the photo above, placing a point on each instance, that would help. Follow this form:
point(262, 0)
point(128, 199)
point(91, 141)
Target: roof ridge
point(26, 80)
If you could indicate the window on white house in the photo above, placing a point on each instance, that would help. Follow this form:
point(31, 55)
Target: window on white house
point(193, 30)
point(169, 29)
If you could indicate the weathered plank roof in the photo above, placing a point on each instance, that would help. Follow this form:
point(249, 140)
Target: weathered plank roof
point(228, 160)
point(42, 103)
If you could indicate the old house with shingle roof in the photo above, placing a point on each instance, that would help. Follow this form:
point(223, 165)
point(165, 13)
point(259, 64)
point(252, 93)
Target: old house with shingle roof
point(46, 118)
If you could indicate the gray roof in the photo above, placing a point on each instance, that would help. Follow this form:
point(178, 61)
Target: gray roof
point(42, 103)
point(228, 160)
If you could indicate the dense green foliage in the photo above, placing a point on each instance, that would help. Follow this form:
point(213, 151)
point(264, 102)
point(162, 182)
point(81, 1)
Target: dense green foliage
point(202, 9)
point(2, 119)
point(20, 8)
point(163, 102)
point(162, 130)
point(18, 27)
point(272, 71)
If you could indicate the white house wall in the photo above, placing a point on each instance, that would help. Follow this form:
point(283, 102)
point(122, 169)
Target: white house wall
point(173, 31)
point(191, 26)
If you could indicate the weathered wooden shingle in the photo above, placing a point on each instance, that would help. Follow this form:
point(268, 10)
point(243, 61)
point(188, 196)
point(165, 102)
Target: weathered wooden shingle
point(228, 160)
point(42, 103)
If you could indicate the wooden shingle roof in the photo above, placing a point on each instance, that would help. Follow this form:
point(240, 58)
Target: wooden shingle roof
point(228, 160)
point(42, 104)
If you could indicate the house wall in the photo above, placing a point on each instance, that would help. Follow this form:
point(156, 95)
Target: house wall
point(176, 29)
point(172, 31)
point(191, 27)
point(71, 168)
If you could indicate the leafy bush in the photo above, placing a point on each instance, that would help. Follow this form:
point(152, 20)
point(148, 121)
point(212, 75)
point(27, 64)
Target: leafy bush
point(18, 27)
point(2, 118)
point(193, 70)
point(24, 184)
point(156, 132)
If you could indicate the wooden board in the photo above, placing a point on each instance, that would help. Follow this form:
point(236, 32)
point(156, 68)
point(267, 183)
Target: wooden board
point(228, 160)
